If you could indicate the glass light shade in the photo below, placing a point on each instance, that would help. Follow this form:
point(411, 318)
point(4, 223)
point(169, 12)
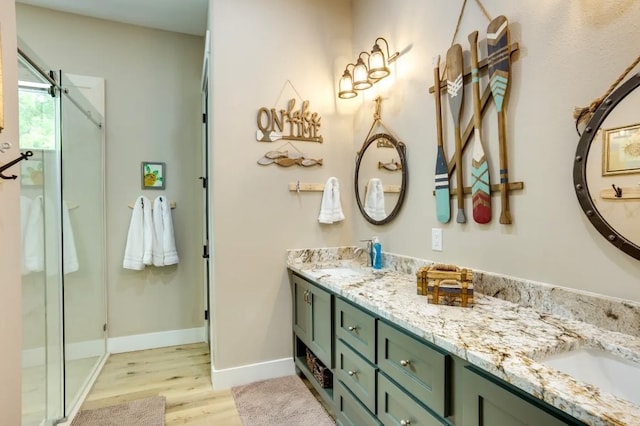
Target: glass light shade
point(361, 76)
point(377, 64)
point(345, 87)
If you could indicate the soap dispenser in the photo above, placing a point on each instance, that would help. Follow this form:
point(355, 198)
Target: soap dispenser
point(376, 251)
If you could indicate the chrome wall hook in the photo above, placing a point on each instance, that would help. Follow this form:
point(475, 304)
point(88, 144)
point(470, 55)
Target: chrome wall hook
point(4, 146)
point(23, 156)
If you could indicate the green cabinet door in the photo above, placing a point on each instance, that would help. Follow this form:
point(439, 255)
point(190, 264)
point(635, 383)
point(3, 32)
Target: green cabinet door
point(488, 402)
point(312, 318)
point(301, 308)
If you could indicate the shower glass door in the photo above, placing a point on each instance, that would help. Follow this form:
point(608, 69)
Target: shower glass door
point(63, 236)
point(83, 234)
point(42, 354)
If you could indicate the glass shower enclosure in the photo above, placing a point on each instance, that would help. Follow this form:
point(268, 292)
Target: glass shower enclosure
point(63, 242)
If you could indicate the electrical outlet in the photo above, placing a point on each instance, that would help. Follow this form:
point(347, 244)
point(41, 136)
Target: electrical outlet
point(436, 239)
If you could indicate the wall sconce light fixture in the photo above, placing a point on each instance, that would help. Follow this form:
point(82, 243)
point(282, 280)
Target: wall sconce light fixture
point(345, 87)
point(364, 77)
point(361, 74)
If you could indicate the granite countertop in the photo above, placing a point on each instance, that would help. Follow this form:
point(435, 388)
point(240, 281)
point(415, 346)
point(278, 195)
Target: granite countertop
point(499, 336)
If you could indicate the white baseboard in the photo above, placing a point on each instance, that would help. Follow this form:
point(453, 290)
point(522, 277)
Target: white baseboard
point(90, 348)
point(238, 376)
point(160, 339)
point(79, 350)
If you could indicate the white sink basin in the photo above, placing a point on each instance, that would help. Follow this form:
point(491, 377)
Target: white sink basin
point(609, 372)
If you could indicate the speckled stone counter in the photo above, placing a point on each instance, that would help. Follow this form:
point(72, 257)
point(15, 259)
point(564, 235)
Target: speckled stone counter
point(503, 337)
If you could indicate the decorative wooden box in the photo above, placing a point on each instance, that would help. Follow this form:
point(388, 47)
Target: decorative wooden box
point(322, 374)
point(446, 285)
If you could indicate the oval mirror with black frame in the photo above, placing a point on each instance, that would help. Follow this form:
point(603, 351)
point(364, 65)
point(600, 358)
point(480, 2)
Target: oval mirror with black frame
point(381, 178)
point(606, 171)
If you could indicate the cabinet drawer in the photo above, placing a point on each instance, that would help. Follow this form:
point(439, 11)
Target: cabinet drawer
point(357, 375)
point(357, 328)
point(350, 412)
point(420, 369)
point(396, 407)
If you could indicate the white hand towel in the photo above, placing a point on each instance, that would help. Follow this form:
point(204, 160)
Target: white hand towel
point(25, 209)
point(147, 256)
point(374, 200)
point(331, 207)
point(140, 237)
point(33, 250)
point(164, 252)
point(337, 213)
point(158, 233)
point(68, 243)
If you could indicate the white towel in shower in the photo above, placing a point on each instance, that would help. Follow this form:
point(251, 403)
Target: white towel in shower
point(138, 251)
point(374, 200)
point(33, 238)
point(68, 243)
point(28, 238)
point(331, 206)
point(164, 249)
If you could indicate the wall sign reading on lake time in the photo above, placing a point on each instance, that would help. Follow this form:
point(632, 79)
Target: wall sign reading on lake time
point(289, 124)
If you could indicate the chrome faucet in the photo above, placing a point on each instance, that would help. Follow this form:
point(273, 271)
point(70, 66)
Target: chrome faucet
point(369, 251)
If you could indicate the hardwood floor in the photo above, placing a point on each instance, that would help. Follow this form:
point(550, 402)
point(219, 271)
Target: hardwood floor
point(180, 373)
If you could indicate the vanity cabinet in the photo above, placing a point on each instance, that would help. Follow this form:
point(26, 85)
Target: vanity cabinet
point(386, 375)
point(488, 400)
point(312, 315)
point(312, 331)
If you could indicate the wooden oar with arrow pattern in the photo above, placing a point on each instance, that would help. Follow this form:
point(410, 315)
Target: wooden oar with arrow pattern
point(455, 89)
point(480, 188)
point(499, 65)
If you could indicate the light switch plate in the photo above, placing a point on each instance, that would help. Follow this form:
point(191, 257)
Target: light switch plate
point(436, 239)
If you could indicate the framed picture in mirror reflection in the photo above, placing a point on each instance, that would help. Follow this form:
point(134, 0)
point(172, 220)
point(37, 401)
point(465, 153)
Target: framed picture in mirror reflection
point(621, 150)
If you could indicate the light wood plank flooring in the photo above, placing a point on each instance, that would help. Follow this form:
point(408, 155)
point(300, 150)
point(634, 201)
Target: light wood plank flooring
point(180, 373)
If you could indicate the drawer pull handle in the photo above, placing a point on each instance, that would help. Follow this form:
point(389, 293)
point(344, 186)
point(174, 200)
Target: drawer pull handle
point(352, 328)
point(352, 373)
point(405, 422)
point(404, 363)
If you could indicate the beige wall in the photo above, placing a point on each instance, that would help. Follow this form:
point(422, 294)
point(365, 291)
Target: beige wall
point(257, 46)
point(570, 53)
point(152, 113)
point(10, 302)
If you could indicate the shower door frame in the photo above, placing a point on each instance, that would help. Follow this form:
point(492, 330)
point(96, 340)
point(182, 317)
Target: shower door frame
point(57, 409)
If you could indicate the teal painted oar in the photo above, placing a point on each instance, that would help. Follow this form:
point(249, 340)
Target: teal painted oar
point(480, 189)
point(455, 89)
point(499, 65)
point(443, 204)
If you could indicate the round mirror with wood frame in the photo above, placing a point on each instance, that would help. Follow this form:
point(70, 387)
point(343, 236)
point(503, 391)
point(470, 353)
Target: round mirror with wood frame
point(369, 167)
point(580, 171)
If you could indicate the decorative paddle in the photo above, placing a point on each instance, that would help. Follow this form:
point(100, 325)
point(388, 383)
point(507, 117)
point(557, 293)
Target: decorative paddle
point(455, 89)
point(499, 64)
point(480, 189)
point(443, 204)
